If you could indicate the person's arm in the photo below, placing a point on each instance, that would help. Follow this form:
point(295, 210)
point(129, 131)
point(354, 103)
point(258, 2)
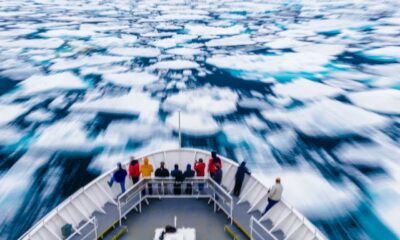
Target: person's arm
point(248, 172)
point(272, 191)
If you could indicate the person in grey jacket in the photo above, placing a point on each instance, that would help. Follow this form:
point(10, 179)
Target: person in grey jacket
point(274, 195)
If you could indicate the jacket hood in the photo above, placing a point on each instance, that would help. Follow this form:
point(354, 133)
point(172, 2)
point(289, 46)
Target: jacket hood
point(146, 161)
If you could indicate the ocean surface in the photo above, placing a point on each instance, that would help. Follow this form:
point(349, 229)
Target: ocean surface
point(305, 90)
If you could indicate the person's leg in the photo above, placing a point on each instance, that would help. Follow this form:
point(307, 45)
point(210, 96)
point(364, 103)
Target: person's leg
point(201, 187)
point(235, 189)
point(111, 182)
point(239, 187)
point(122, 186)
point(271, 203)
point(150, 189)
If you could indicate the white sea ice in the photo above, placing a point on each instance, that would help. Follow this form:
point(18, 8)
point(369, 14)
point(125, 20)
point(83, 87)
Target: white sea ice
point(390, 52)
point(193, 124)
point(146, 52)
point(328, 118)
point(378, 100)
point(60, 81)
point(66, 136)
point(312, 195)
point(39, 116)
point(184, 51)
point(303, 89)
point(130, 79)
point(282, 140)
point(135, 103)
point(66, 33)
point(286, 42)
point(202, 30)
point(175, 64)
point(21, 175)
point(255, 122)
point(215, 101)
point(238, 40)
point(34, 43)
point(173, 41)
point(254, 67)
point(9, 113)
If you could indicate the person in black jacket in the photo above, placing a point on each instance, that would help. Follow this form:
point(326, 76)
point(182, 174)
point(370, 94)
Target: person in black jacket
point(218, 174)
point(239, 177)
point(162, 172)
point(189, 173)
point(178, 175)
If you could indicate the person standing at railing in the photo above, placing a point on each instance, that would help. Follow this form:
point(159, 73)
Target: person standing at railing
point(212, 163)
point(217, 176)
point(178, 175)
point(119, 177)
point(239, 177)
point(189, 173)
point(146, 169)
point(199, 167)
point(162, 172)
point(134, 170)
point(274, 195)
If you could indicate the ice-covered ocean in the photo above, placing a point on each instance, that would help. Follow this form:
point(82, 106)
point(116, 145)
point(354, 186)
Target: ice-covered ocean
point(305, 90)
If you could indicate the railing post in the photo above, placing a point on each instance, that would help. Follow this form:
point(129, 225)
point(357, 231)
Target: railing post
point(251, 227)
point(179, 127)
point(120, 212)
point(231, 212)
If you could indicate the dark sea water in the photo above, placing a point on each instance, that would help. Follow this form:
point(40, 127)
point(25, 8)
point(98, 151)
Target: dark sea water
point(304, 90)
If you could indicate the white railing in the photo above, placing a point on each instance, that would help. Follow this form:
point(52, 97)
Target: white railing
point(264, 234)
point(92, 232)
point(169, 156)
point(133, 197)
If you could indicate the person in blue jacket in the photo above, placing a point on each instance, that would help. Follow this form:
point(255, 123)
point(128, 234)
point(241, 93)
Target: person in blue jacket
point(119, 177)
point(239, 177)
point(189, 173)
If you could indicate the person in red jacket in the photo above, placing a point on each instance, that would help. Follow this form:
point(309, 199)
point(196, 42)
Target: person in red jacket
point(199, 167)
point(212, 163)
point(134, 170)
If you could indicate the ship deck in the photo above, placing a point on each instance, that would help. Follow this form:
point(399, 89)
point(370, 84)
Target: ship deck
point(190, 212)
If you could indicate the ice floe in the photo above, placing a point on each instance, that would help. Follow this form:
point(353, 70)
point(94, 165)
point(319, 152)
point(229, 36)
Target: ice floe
point(303, 89)
point(184, 51)
point(202, 30)
point(145, 52)
point(315, 197)
point(35, 43)
point(378, 100)
point(390, 52)
point(193, 124)
point(215, 101)
point(175, 64)
point(261, 67)
point(130, 79)
point(65, 81)
point(10, 112)
point(282, 140)
point(329, 118)
point(238, 40)
point(65, 136)
point(134, 103)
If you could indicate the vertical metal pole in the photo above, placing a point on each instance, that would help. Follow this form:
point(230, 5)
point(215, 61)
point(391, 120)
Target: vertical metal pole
point(120, 212)
point(179, 127)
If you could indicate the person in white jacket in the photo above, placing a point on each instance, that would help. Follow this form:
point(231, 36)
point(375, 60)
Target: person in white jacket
point(274, 195)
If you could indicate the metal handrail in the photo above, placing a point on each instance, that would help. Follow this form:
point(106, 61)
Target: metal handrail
point(108, 173)
point(90, 221)
point(139, 186)
point(253, 221)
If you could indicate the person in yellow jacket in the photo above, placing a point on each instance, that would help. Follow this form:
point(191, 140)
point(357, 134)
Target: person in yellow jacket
point(146, 169)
